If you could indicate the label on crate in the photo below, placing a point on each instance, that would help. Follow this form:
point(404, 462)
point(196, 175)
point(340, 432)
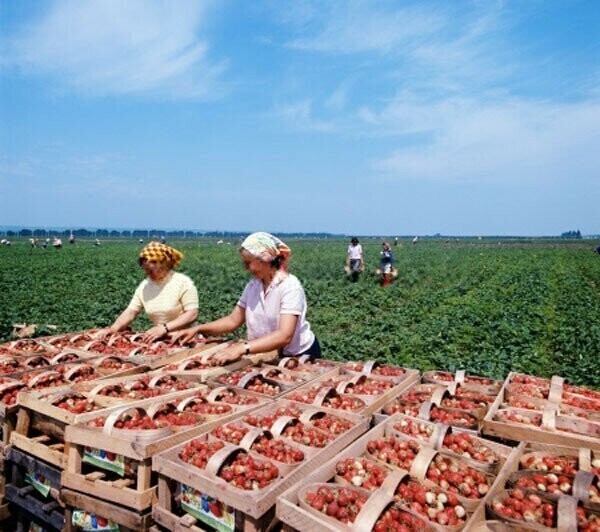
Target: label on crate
point(105, 460)
point(207, 509)
point(90, 522)
point(38, 481)
point(34, 527)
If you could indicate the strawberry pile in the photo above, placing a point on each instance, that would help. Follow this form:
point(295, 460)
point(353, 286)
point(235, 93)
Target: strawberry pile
point(566, 465)
point(76, 403)
point(476, 396)
point(257, 385)
point(399, 453)
point(9, 365)
point(232, 378)
point(579, 390)
point(514, 416)
point(415, 429)
point(463, 403)
point(547, 482)
point(170, 417)
point(520, 403)
point(388, 371)
point(233, 398)
point(581, 402)
point(452, 417)
point(172, 384)
point(48, 381)
point(395, 519)
point(207, 408)
point(307, 435)
point(115, 364)
point(456, 477)
point(530, 390)
point(307, 395)
point(530, 379)
point(525, 507)
point(370, 387)
point(342, 504)
point(361, 472)
point(277, 450)
point(332, 424)
point(266, 421)
point(433, 504)
point(246, 473)
point(198, 452)
point(344, 402)
point(587, 521)
point(281, 376)
point(136, 422)
point(400, 407)
point(9, 396)
point(469, 446)
point(231, 433)
point(417, 395)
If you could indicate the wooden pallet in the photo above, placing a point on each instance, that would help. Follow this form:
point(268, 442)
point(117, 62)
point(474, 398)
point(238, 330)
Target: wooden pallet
point(294, 516)
point(28, 504)
point(137, 492)
point(128, 520)
point(255, 507)
point(21, 464)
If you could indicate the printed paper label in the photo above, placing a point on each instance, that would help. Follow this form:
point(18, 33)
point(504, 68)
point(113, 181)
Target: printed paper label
point(207, 509)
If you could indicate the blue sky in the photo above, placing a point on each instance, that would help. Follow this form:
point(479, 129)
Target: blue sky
point(367, 117)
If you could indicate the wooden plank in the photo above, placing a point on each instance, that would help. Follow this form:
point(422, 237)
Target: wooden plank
point(39, 449)
point(35, 507)
point(172, 522)
point(122, 516)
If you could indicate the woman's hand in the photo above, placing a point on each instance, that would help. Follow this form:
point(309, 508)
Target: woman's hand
point(229, 354)
point(184, 336)
point(153, 334)
point(103, 333)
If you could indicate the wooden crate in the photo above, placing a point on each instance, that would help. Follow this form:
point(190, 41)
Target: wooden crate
point(295, 517)
point(128, 520)
point(546, 433)
point(254, 510)
point(138, 493)
point(27, 505)
point(19, 464)
point(372, 403)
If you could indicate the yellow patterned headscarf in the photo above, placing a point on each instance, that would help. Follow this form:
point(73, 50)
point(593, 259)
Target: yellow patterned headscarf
point(266, 247)
point(156, 251)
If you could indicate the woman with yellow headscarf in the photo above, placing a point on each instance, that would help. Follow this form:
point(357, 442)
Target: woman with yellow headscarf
point(169, 298)
point(273, 306)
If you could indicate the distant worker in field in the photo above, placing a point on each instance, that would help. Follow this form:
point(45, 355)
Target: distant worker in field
point(169, 298)
point(396, 242)
point(57, 243)
point(273, 306)
point(71, 238)
point(354, 260)
point(386, 269)
point(415, 240)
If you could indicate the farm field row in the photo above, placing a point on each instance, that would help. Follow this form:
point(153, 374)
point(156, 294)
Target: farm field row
point(530, 307)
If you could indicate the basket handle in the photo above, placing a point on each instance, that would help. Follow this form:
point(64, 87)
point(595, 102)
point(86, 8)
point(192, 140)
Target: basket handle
point(549, 417)
point(216, 460)
point(581, 485)
point(369, 366)
point(73, 371)
point(424, 410)
point(282, 363)
point(439, 394)
point(243, 382)
point(40, 376)
point(99, 387)
point(392, 480)
point(370, 512)
point(155, 407)
point(214, 394)
point(585, 459)
point(459, 376)
point(12, 384)
point(252, 435)
point(556, 387)
point(439, 433)
point(323, 394)
point(193, 399)
point(420, 464)
point(308, 414)
point(114, 416)
point(566, 510)
point(281, 423)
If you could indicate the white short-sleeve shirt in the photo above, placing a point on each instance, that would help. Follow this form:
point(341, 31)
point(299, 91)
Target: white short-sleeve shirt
point(355, 252)
point(263, 311)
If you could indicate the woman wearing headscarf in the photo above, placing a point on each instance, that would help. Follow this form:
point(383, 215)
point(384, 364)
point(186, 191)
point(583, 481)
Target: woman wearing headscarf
point(273, 306)
point(169, 298)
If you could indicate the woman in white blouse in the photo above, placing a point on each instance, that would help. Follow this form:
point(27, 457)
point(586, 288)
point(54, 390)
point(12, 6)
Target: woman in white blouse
point(273, 306)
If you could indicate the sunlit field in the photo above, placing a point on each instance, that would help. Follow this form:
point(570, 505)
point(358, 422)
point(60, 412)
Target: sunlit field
point(485, 306)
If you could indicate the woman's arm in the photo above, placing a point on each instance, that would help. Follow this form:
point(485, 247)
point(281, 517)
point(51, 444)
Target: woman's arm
point(220, 326)
point(275, 340)
point(122, 322)
point(162, 329)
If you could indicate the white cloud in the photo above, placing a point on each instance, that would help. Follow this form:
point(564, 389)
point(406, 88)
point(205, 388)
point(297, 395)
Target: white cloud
point(510, 141)
point(114, 47)
point(300, 116)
